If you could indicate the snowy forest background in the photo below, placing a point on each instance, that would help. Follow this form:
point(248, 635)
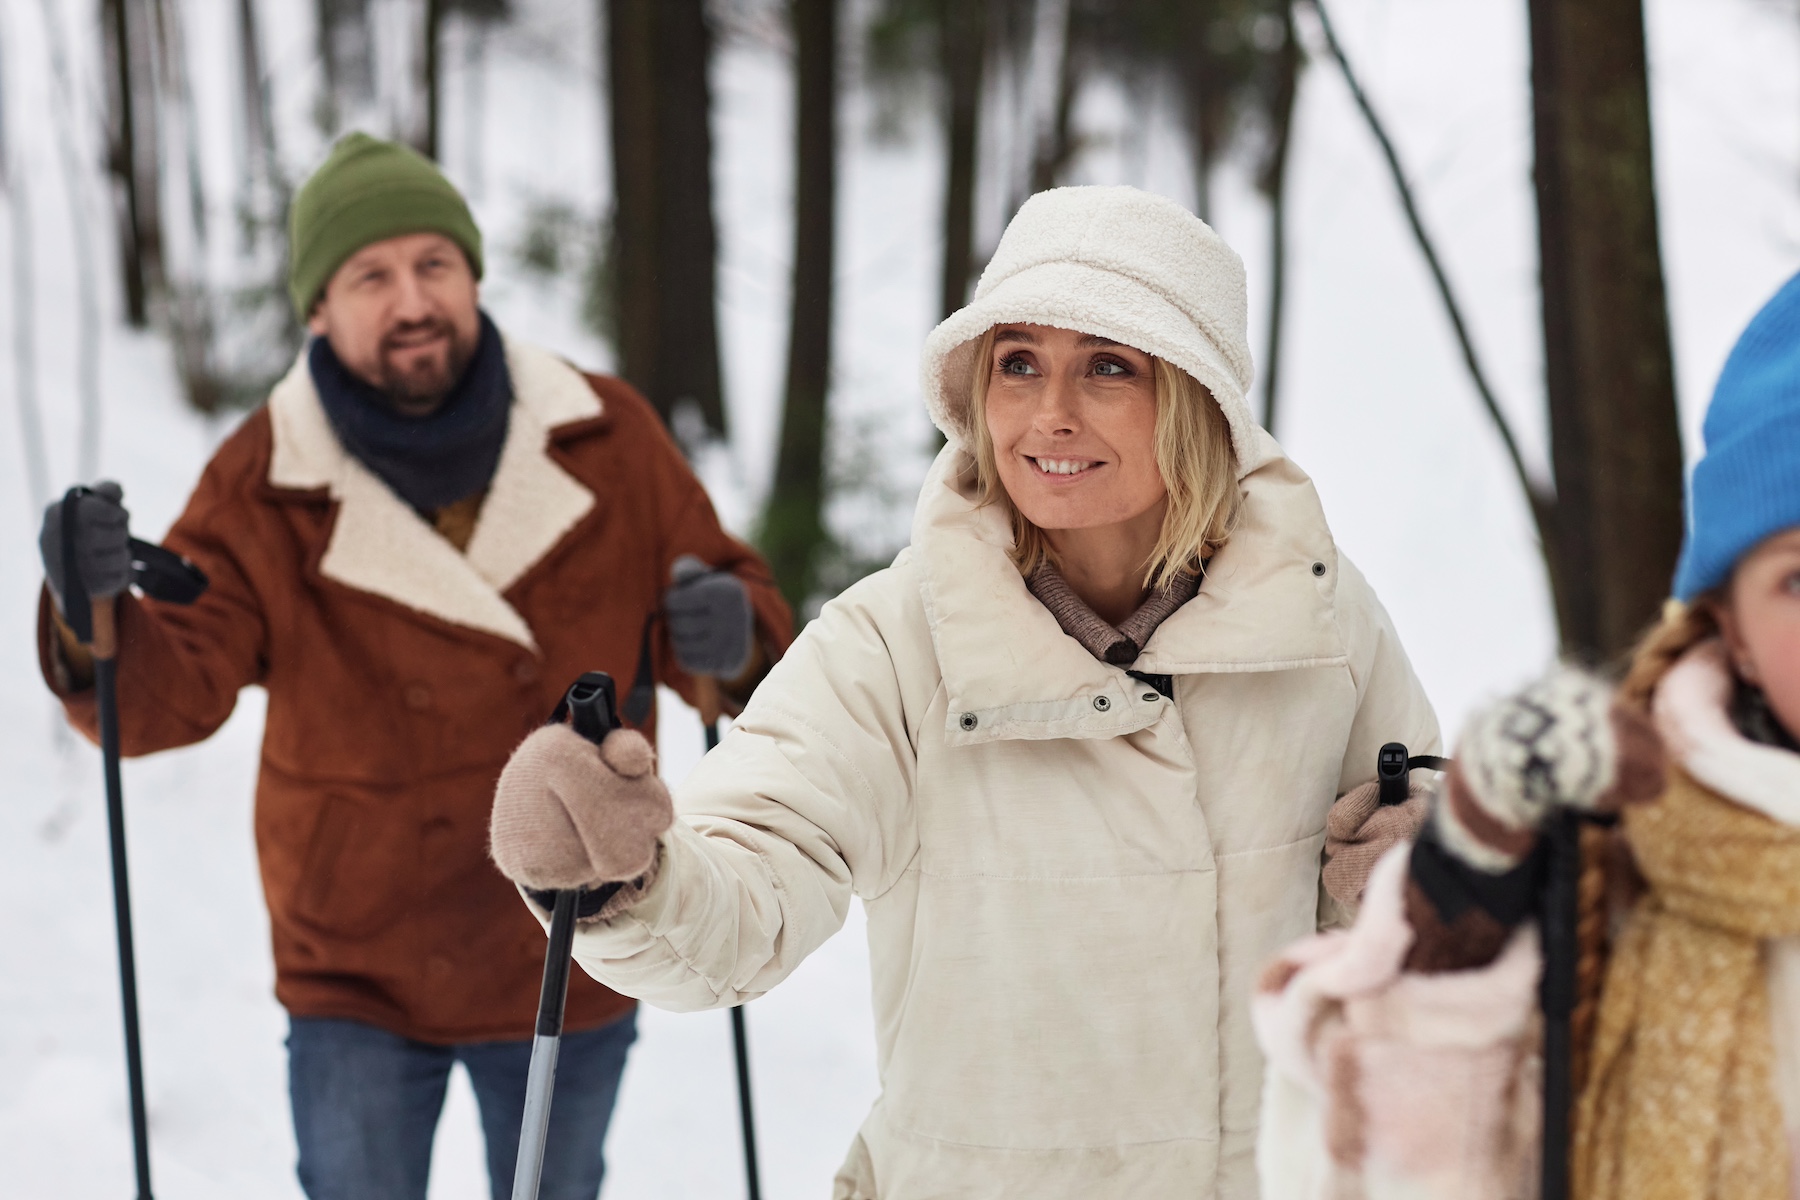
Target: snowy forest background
point(855, 161)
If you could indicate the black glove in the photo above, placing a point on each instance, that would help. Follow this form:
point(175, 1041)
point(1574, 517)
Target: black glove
point(709, 619)
point(102, 544)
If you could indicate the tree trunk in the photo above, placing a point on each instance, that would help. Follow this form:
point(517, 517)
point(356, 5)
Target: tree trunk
point(631, 83)
point(1609, 374)
point(260, 153)
point(664, 238)
point(1055, 146)
point(1273, 183)
point(345, 53)
point(1205, 101)
point(963, 27)
point(425, 137)
point(131, 157)
point(33, 447)
point(687, 244)
point(793, 526)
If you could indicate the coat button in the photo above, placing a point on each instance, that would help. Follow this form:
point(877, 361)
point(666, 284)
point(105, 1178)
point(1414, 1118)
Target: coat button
point(1318, 568)
point(525, 671)
point(969, 721)
point(417, 696)
point(1150, 695)
point(1102, 703)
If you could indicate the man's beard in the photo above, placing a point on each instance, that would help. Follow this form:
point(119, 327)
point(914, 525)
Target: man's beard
point(419, 389)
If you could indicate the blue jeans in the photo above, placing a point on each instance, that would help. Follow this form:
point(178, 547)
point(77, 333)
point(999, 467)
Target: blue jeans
point(366, 1105)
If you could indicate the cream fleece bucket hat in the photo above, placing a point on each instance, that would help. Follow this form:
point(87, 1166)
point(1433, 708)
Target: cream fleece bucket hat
point(1123, 264)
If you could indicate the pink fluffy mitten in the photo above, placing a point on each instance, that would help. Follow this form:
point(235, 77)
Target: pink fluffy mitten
point(1358, 831)
point(569, 814)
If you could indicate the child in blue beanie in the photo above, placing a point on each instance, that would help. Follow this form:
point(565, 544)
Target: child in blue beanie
point(1403, 1055)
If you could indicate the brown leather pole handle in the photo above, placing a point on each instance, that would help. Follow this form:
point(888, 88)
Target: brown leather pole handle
point(706, 693)
point(106, 628)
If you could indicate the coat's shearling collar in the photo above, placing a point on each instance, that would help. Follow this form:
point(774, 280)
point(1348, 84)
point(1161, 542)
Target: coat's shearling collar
point(1260, 608)
point(380, 545)
point(1123, 264)
point(1692, 714)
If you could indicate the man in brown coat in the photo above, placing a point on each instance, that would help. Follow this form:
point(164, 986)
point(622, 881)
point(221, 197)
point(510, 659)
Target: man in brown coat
point(427, 532)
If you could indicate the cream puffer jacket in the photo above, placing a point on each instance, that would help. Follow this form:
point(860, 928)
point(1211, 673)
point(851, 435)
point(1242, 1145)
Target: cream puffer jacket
point(1071, 882)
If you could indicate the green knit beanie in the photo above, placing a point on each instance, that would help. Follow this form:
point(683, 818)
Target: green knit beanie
point(368, 190)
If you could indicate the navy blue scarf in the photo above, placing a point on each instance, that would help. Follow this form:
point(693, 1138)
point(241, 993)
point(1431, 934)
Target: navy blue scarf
point(429, 461)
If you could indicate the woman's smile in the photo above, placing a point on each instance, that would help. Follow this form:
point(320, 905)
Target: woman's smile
point(1064, 470)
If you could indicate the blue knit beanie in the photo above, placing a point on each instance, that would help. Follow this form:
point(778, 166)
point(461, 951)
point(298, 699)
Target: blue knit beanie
point(1747, 486)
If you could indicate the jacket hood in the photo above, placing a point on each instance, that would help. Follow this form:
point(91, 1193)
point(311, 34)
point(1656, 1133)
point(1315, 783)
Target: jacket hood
point(1125, 265)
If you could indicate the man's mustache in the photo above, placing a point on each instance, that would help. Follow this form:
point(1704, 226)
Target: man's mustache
point(392, 340)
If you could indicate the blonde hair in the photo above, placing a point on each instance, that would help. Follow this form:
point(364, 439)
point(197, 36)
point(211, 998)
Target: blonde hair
point(1683, 626)
point(1193, 455)
point(1608, 869)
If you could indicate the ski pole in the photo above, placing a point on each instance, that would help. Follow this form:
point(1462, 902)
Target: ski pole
point(740, 1044)
point(1562, 877)
point(106, 691)
point(165, 576)
point(591, 707)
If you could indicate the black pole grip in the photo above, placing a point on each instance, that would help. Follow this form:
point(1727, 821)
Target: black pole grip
point(78, 610)
point(590, 706)
point(1391, 770)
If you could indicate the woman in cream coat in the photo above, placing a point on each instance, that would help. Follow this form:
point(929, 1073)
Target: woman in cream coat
point(1081, 809)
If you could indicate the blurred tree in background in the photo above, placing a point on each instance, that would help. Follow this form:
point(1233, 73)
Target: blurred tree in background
point(1004, 82)
point(1232, 67)
point(663, 244)
point(1609, 517)
point(793, 534)
point(1615, 443)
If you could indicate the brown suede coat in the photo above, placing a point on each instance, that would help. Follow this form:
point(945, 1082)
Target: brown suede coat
point(401, 674)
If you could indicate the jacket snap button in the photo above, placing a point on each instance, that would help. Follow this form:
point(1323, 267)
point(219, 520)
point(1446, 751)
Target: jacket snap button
point(418, 696)
point(1102, 703)
point(1318, 568)
point(1149, 695)
point(968, 721)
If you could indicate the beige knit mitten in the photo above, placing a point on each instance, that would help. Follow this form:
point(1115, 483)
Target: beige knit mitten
point(1559, 742)
point(1358, 831)
point(569, 814)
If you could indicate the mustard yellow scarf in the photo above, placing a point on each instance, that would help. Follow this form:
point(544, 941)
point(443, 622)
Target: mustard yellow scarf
point(1680, 1102)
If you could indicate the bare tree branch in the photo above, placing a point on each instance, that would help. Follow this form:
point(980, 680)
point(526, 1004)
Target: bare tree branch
point(1537, 493)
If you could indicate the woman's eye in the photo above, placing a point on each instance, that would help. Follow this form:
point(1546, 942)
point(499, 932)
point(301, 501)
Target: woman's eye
point(1106, 367)
point(1791, 584)
point(1014, 365)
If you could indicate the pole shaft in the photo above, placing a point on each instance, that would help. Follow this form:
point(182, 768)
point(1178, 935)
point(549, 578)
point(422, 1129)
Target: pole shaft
point(540, 1076)
point(740, 1045)
point(107, 695)
point(1561, 910)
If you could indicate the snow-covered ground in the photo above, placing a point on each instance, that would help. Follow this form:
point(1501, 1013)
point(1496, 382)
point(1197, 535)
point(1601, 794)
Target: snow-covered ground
point(1375, 405)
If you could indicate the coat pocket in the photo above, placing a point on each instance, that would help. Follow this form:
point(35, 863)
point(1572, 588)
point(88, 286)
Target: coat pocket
point(357, 863)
